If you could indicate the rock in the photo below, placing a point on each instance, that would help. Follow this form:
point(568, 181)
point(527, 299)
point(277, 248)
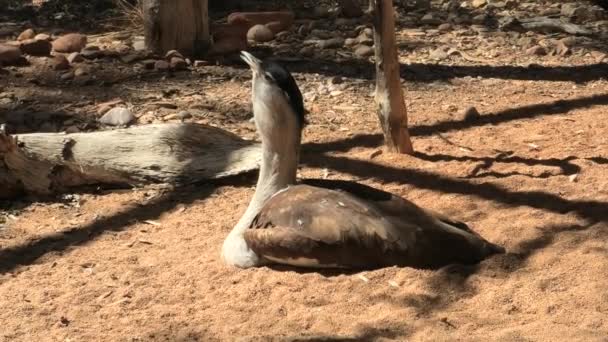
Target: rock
point(71, 42)
point(178, 63)
point(445, 27)
point(336, 80)
point(322, 34)
point(200, 64)
point(350, 42)
point(59, 62)
point(91, 52)
point(9, 54)
point(304, 30)
point(120, 49)
point(149, 63)
point(260, 34)
point(307, 51)
point(366, 38)
point(479, 19)
point(42, 36)
point(27, 34)
point(471, 114)
point(72, 129)
point(459, 19)
point(173, 53)
point(561, 49)
point(438, 54)
point(344, 22)
point(161, 65)
point(321, 11)
point(332, 43)
point(132, 57)
point(75, 57)
point(478, 3)
point(262, 18)
point(184, 115)
point(536, 50)
point(35, 47)
point(276, 27)
point(104, 107)
point(416, 4)
point(430, 19)
point(81, 71)
point(575, 12)
point(568, 41)
point(111, 53)
point(501, 4)
point(282, 37)
point(118, 116)
point(366, 31)
point(139, 45)
point(364, 51)
point(67, 76)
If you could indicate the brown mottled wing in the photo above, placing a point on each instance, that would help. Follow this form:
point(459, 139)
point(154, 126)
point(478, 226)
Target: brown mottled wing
point(318, 227)
point(355, 227)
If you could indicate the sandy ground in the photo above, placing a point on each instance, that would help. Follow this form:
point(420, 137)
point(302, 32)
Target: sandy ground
point(99, 271)
point(531, 174)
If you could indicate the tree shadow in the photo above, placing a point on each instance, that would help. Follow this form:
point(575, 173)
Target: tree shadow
point(591, 210)
point(451, 284)
point(425, 72)
point(28, 253)
point(366, 333)
point(518, 113)
point(485, 163)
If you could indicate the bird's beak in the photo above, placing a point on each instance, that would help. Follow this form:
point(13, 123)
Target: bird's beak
point(251, 60)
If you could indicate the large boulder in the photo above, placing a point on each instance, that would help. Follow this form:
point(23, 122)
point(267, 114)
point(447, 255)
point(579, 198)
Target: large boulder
point(71, 42)
point(260, 33)
point(9, 54)
point(34, 47)
point(283, 19)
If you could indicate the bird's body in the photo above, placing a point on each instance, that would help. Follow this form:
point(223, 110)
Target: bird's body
point(324, 223)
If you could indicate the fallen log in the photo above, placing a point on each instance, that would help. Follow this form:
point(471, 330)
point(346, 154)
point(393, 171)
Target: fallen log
point(174, 154)
point(542, 24)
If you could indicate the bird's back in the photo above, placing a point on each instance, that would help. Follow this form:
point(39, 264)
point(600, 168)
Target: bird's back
point(327, 223)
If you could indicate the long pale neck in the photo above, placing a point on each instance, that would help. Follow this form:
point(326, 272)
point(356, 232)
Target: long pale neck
point(277, 171)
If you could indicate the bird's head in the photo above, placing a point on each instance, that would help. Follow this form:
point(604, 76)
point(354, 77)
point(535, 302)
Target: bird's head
point(277, 100)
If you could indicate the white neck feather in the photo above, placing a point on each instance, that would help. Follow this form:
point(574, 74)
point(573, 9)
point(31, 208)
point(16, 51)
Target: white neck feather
point(280, 156)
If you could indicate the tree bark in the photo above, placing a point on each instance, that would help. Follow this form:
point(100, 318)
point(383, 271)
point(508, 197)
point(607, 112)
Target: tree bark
point(389, 95)
point(175, 154)
point(181, 25)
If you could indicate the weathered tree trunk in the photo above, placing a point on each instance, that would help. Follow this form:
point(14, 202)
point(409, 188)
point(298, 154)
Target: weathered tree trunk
point(176, 154)
point(389, 95)
point(181, 25)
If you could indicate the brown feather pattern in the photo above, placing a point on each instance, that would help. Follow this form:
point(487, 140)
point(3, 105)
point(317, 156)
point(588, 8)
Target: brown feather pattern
point(325, 223)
